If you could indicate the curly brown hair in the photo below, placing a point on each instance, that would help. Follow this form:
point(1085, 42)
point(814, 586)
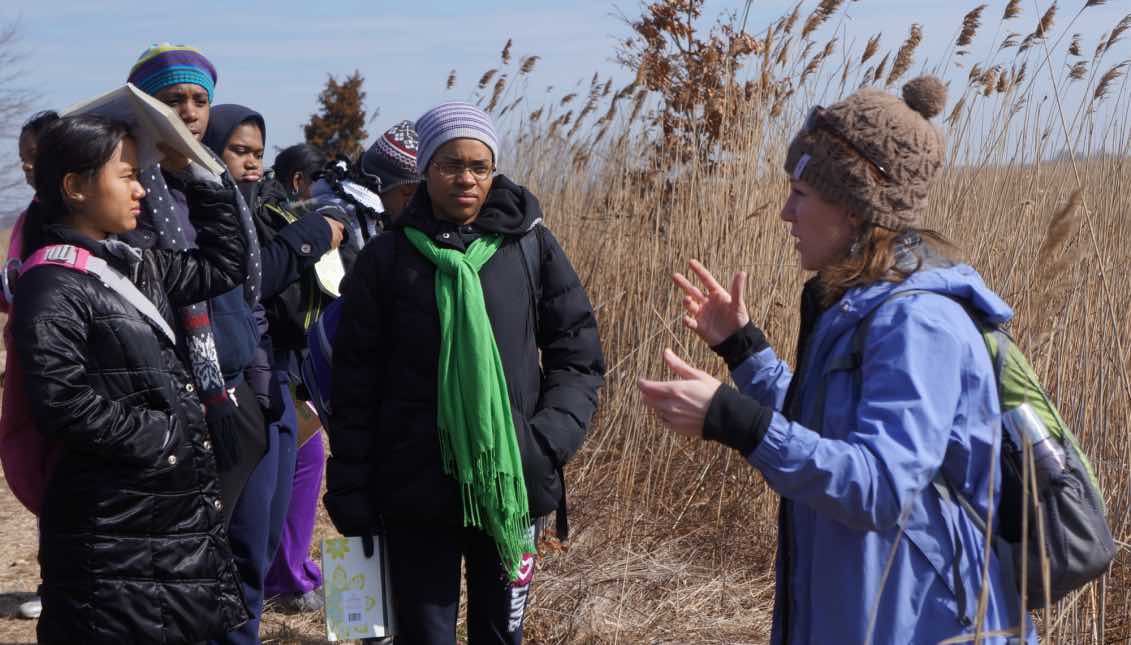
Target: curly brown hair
point(876, 256)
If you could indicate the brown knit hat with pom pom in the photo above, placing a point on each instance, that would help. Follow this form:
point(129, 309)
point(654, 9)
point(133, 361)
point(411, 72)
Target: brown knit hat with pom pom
point(874, 153)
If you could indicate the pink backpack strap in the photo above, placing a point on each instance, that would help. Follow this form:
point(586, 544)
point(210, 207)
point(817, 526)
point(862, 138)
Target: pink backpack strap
point(79, 259)
point(66, 255)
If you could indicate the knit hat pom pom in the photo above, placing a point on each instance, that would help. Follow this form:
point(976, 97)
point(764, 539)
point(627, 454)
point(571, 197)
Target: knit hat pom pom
point(926, 95)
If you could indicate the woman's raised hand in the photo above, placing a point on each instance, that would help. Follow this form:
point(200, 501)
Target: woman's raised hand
point(718, 313)
point(681, 404)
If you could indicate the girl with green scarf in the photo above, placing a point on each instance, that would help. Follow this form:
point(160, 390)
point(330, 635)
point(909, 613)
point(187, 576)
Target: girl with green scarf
point(466, 370)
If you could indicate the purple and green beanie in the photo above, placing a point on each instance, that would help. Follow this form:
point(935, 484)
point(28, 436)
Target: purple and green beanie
point(165, 64)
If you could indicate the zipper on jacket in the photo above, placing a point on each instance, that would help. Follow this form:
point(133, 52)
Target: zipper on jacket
point(810, 312)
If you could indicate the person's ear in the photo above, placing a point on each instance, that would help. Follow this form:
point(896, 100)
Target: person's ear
point(296, 182)
point(74, 187)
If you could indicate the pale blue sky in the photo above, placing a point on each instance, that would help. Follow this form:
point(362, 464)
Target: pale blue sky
point(274, 56)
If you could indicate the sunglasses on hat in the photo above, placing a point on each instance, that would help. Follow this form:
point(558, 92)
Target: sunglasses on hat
point(818, 120)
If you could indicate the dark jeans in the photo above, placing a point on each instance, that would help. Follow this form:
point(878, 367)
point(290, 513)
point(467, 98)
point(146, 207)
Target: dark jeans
point(257, 521)
point(424, 571)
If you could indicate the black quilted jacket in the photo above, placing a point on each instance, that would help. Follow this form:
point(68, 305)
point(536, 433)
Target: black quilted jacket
point(133, 548)
point(386, 451)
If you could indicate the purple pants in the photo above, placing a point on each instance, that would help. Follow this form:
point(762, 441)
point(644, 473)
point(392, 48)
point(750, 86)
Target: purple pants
point(293, 571)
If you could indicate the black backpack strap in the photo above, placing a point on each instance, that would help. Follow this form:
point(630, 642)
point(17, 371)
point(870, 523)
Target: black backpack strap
point(861, 335)
point(561, 515)
point(947, 493)
point(530, 245)
point(852, 361)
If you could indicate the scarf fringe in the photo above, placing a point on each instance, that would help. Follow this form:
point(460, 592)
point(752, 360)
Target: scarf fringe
point(489, 494)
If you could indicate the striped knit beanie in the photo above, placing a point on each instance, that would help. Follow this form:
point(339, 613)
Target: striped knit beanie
point(391, 160)
point(164, 64)
point(454, 120)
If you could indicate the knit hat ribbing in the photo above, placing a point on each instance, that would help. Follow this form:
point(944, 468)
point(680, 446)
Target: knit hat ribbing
point(392, 157)
point(165, 64)
point(454, 120)
point(892, 133)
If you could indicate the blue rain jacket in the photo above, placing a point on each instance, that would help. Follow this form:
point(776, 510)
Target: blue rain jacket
point(860, 490)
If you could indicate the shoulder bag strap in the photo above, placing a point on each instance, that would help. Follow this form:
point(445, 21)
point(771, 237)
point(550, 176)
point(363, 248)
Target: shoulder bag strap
point(530, 244)
point(78, 259)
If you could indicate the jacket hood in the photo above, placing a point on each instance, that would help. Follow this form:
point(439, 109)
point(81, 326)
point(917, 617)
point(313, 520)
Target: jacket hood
point(510, 210)
point(223, 121)
point(958, 281)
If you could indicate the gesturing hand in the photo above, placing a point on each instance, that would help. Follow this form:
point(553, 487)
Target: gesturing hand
point(717, 314)
point(681, 404)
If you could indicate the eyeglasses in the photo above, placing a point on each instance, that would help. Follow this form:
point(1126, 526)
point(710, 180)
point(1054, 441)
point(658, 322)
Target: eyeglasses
point(480, 171)
point(819, 120)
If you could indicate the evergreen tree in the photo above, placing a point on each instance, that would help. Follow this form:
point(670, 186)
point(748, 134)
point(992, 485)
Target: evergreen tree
point(339, 128)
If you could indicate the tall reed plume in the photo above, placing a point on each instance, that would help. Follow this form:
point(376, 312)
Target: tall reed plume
point(870, 48)
point(825, 9)
point(906, 54)
point(1108, 78)
point(1054, 260)
point(498, 92)
point(970, 23)
point(1012, 10)
point(486, 78)
point(1117, 33)
point(506, 55)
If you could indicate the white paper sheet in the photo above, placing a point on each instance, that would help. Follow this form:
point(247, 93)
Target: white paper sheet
point(150, 121)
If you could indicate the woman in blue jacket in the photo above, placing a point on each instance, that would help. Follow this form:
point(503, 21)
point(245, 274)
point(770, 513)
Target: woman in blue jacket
point(893, 403)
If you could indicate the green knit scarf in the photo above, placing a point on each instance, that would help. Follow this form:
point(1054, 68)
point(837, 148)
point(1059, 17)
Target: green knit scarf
point(477, 433)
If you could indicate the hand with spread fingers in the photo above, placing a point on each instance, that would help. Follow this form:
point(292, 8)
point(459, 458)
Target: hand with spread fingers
point(717, 314)
point(681, 404)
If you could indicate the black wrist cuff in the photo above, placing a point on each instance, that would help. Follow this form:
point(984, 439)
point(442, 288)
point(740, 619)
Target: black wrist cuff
point(736, 420)
point(741, 345)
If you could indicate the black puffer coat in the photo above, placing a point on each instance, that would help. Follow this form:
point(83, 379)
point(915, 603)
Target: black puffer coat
point(386, 452)
point(132, 544)
point(292, 243)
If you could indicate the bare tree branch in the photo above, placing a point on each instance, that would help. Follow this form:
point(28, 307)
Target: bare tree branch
point(16, 101)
